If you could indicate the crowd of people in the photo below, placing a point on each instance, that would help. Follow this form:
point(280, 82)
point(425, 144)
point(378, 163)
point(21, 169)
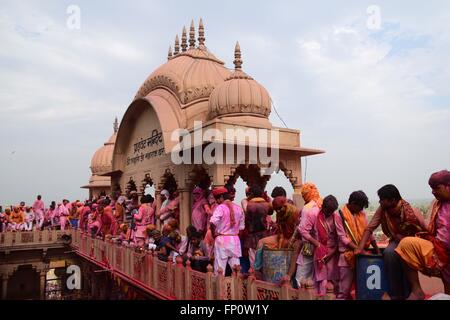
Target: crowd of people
point(324, 238)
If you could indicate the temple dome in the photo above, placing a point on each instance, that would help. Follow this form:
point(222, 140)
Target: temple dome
point(102, 159)
point(190, 74)
point(240, 94)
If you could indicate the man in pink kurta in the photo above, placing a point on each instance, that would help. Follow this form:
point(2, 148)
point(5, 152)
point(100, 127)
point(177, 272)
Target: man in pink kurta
point(306, 230)
point(142, 219)
point(226, 222)
point(326, 243)
point(63, 212)
point(39, 209)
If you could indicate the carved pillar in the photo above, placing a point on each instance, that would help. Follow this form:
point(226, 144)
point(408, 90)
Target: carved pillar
point(209, 283)
point(179, 274)
point(42, 269)
point(158, 208)
point(185, 209)
point(292, 169)
point(5, 278)
point(42, 275)
point(220, 174)
point(251, 287)
point(154, 270)
point(235, 281)
point(188, 281)
point(297, 197)
point(92, 282)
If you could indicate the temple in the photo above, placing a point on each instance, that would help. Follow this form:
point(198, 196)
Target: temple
point(195, 92)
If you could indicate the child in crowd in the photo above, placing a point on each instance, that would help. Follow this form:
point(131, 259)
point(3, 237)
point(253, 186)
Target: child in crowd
point(167, 244)
point(124, 233)
point(197, 251)
point(93, 224)
point(29, 218)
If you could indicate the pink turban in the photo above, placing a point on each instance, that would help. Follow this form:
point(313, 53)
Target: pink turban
point(441, 177)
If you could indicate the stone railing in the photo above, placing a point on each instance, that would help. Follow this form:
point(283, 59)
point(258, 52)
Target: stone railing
point(25, 239)
point(167, 280)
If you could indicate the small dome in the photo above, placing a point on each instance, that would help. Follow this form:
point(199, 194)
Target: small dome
point(102, 159)
point(240, 94)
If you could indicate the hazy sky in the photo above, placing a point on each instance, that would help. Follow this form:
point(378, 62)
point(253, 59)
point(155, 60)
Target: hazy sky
point(376, 99)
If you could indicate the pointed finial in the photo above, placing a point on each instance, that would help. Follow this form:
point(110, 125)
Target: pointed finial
point(177, 46)
point(169, 54)
point(237, 57)
point(116, 126)
point(201, 34)
point(192, 36)
point(183, 40)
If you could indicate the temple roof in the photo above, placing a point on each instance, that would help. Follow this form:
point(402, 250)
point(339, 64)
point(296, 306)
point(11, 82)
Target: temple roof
point(201, 82)
point(190, 74)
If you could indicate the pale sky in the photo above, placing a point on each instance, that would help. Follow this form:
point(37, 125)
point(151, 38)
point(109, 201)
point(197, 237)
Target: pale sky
point(376, 99)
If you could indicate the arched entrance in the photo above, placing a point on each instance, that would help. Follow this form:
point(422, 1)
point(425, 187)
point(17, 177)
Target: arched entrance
point(24, 284)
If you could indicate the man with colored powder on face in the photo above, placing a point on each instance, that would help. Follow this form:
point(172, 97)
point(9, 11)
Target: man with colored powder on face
point(64, 212)
point(313, 204)
point(398, 219)
point(39, 209)
point(351, 226)
point(326, 242)
point(429, 252)
point(255, 222)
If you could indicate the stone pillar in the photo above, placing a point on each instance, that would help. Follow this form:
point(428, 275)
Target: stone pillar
point(93, 288)
point(158, 208)
point(293, 172)
point(179, 274)
point(43, 275)
point(297, 197)
point(41, 268)
point(185, 209)
point(5, 278)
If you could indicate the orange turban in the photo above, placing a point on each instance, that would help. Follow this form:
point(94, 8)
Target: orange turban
point(310, 193)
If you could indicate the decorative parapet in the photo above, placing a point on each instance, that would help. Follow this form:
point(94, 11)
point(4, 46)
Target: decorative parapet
point(31, 239)
point(166, 280)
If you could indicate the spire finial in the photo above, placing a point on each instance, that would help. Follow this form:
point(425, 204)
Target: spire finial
point(201, 34)
point(177, 46)
point(237, 57)
point(116, 125)
point(192, 36)
point(183, 40)
point(169, 54)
